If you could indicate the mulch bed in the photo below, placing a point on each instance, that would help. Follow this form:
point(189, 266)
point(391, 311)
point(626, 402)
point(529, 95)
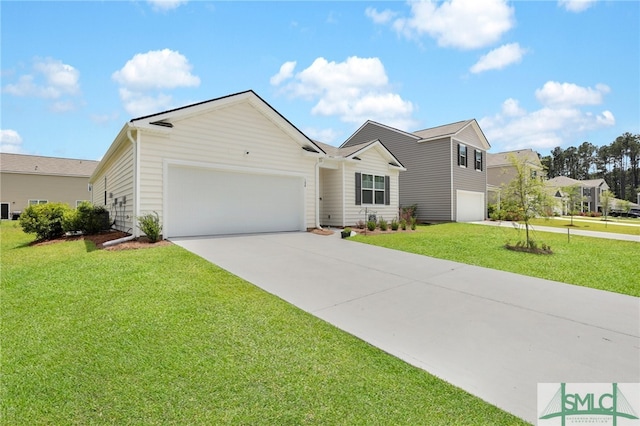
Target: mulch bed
point(103, 237)
point(534, 250)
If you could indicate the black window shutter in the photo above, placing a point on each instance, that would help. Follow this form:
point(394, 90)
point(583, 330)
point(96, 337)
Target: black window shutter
point(458, 154)
point(387, 190)
point(481, 160)
point(475, 159)
point(358, 189)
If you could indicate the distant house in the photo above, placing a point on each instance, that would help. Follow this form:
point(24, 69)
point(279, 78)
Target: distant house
point(32, 179)
point(446, 175)
point(591, 191)
point(501, 170)
point(234, 165)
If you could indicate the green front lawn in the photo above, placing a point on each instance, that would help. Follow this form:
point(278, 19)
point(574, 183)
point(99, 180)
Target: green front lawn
point(629, 226)
point(591, 262)
point(160, 336)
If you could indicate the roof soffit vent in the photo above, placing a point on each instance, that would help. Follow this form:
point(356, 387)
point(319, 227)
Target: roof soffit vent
point(162, 123)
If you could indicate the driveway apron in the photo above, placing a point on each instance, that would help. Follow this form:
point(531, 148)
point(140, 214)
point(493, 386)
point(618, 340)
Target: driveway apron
point(494, 334)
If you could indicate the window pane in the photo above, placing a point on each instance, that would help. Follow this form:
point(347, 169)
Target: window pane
point(367, 196)
point(379, 182)
point(379, 197)
point(367, 181)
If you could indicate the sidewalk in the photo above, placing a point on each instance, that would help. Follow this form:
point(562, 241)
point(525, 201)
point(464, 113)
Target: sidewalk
point(595, 234)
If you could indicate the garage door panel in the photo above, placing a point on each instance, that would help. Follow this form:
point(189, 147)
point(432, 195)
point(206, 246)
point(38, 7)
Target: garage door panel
point(213, 202)
point(470, 206)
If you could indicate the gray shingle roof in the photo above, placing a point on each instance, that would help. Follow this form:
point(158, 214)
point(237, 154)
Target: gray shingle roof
point(342, 152)
point(442, 131)
point(502, 158)
point(37, 165)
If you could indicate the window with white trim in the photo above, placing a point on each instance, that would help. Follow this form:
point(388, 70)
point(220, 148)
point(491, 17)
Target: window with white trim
point(462, 155)
point(373, 189)
point(34, 202)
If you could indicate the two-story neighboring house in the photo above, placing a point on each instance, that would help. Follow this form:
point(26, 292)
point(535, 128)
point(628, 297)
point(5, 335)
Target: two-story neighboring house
point(501, 169)
point(446, 175)
point(33, 179)
point(590, 190)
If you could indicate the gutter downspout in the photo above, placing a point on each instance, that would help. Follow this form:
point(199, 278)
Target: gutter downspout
point(136, 179)
point(317, 194)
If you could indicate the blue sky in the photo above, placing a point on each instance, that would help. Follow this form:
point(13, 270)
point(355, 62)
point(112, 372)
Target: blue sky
point(535, 74)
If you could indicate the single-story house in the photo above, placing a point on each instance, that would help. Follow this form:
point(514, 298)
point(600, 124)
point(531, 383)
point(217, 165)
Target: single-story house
point(446, 175)
point(33, 179)
point(235, 165)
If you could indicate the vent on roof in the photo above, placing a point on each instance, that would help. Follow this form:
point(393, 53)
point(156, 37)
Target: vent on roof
point(162, 124)
point(393, 164)
point(308, 148)
point(357, 158)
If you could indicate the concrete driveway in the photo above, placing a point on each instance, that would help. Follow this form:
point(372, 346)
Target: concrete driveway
point(495, 334)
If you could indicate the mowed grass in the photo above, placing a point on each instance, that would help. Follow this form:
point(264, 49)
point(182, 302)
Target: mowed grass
point(628, 227)
point(160, 336)
point(591, 262)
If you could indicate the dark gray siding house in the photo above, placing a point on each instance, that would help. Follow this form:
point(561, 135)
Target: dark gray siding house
point(446, 168)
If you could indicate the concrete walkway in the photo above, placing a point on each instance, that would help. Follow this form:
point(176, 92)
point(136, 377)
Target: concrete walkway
point(494, 334)
point(594, 234)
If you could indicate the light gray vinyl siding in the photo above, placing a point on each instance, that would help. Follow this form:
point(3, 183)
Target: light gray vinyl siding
point(370, 163)
point(427, 181)
point(119, 184)
point(371, 132)
point(331, 205)
point(467, 178)
point(239, 136)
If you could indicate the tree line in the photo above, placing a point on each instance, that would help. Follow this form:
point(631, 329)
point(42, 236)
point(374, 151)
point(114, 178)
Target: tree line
point(617, 163)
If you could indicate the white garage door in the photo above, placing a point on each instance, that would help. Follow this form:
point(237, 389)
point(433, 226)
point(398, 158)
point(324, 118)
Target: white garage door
point(215, 202)
point(470, 206)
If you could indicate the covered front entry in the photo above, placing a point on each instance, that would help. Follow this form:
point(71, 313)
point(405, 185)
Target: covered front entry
point(204, 201)
point(470, 206)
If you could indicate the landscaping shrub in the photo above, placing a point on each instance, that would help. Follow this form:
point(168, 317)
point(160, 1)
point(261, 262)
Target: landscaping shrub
point(87, 218)
point(150, 225)
point(408, 212)
point(371, 225)
point(383, 224)
point(403, 224)
point(44, 220)
point(413, 222)
point(394, 224)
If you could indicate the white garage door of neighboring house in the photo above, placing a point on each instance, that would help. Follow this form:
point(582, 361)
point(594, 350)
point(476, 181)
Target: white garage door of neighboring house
point(470, 206)
point(215, 202)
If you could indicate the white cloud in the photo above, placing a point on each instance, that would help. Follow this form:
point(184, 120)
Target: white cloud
point(156, 69)
point(323, 135)
point(464, 24)
point(144, 75)
point(511, 108)
point(10, 141)
point(576, 6)
point(165, 5)
point(140, 104)
point(555, 124)
point(569, 94)
point(285, 73)
point(499, 58)
point(50, 79)
point(354, 90)
point(383, 17)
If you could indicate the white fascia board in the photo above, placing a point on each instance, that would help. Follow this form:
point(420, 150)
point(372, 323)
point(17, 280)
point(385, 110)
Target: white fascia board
point(115, 145)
